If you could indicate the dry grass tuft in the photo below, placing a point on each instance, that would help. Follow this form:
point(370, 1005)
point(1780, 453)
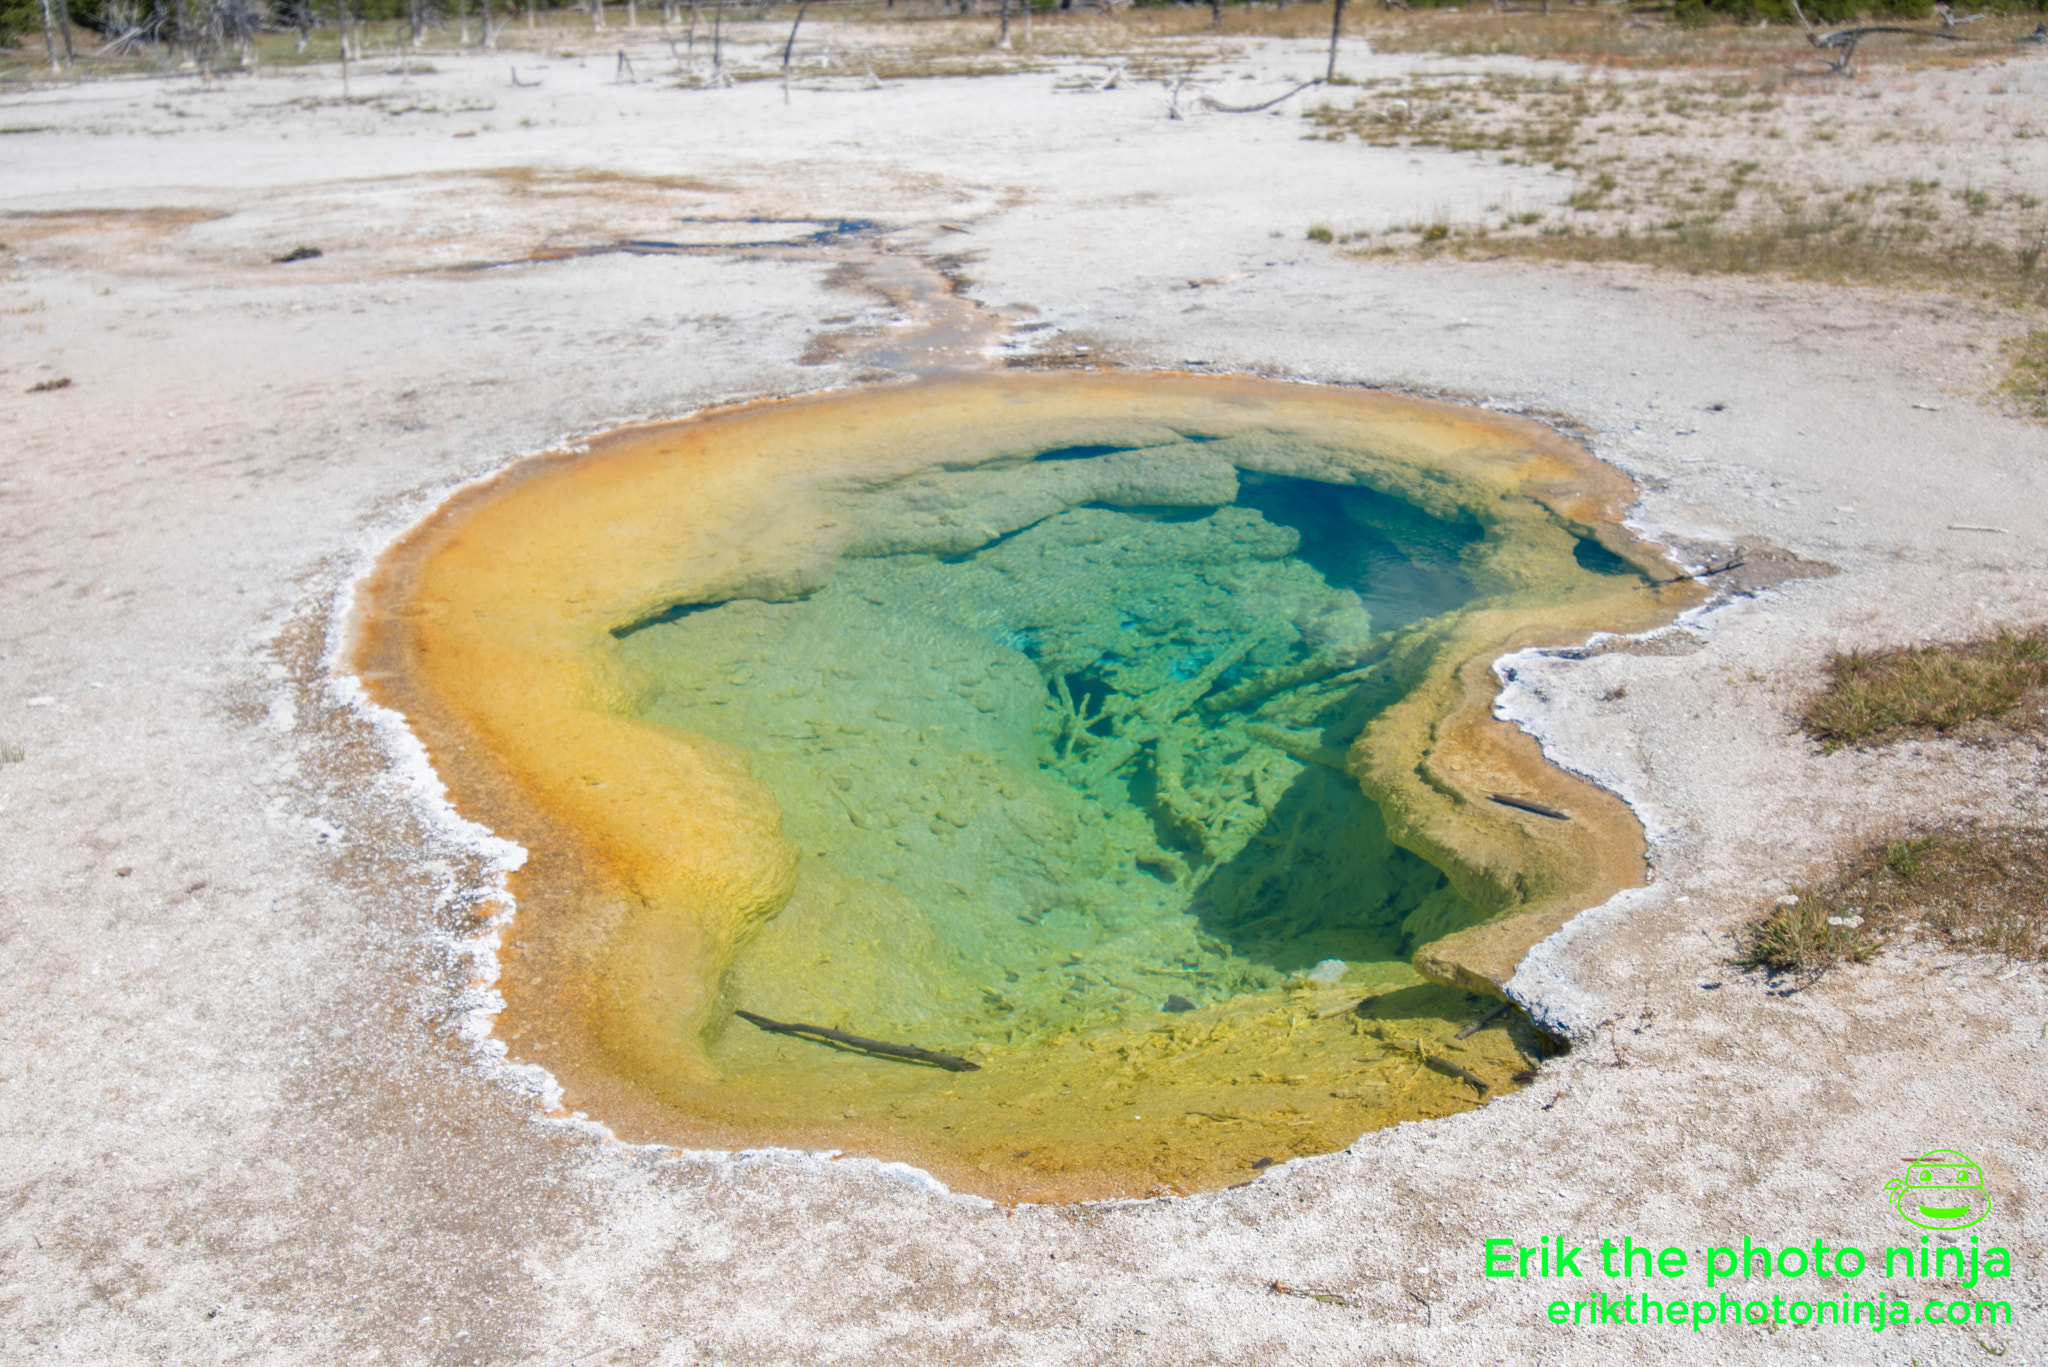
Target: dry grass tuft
point(1981, 891)
point(1836, 252)
point(2026, 373)
point(1878, 695)
point(11, 754)
point(1622, 37)
point(1734, 173)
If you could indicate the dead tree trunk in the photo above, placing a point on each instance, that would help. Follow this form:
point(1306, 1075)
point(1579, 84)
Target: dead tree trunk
point(1336, 28)
point(50, 36)
point(789, 48)
point(1215, 13)
point(1003, 34)
point(596, 14)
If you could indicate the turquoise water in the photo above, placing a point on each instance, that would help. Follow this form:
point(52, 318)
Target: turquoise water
point(1087, 768)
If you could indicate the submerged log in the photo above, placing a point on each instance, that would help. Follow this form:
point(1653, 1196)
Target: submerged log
point(1450, 1069)
point(1525, 805)
point(870, 1046)
point(1478, 1023)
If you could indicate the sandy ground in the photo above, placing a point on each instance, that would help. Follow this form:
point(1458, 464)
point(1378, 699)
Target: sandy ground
point(240, 1118)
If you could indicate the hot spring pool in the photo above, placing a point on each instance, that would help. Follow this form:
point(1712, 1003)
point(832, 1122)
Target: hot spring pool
point(1117, 734)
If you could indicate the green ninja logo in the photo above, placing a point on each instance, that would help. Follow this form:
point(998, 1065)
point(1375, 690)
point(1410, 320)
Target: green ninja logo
point(1942, 1189)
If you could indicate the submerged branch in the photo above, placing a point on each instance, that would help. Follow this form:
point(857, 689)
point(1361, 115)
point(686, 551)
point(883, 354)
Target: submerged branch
point(1450, 1069)
point(1523, 804)
point(871, 1046)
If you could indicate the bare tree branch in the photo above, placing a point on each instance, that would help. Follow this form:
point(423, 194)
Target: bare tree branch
point(1844, 40)
point(1218, 107)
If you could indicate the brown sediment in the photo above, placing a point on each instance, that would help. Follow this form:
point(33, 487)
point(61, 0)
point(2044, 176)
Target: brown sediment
point(655, 854)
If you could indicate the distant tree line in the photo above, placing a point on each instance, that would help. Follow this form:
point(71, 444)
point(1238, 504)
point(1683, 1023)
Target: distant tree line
point(1702, 12)
point(1752, 11)
point(228, 23)
point(222, 25)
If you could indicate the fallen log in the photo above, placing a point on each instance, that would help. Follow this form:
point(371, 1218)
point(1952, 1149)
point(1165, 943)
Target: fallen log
point(1845, 40)
point(870, 1046)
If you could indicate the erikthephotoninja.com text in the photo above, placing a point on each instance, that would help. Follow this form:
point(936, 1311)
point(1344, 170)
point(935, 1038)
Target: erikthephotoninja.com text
point(1649, 1275)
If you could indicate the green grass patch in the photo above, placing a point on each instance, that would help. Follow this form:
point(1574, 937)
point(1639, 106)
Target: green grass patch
point(1981, 891)
point(1881, 694)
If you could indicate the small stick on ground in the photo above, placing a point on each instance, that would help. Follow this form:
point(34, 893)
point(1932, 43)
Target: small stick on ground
point(1708, 573)
point(1614, 1038)
point(1308, 1293)
point(871, 1046)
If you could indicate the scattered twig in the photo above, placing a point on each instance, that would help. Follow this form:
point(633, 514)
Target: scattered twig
point(872, 1046)
point(523, 84)
point(1620, 1058)
point(1312, 1294)
point(1708, 573)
